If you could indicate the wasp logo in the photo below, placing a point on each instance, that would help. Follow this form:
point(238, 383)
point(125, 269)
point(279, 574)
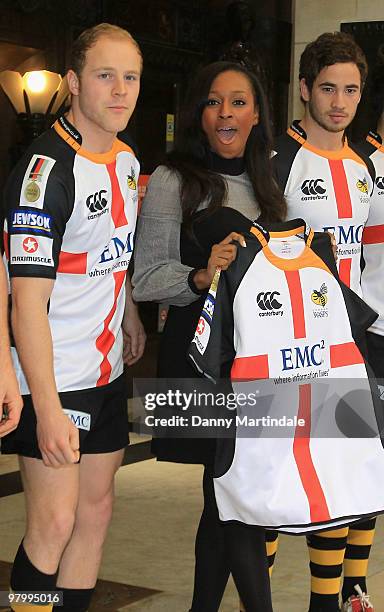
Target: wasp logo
point(380, 182)
point(362, 186)
point(267, 300)
point(131, 180)
point(313, 187)
point(319, 297)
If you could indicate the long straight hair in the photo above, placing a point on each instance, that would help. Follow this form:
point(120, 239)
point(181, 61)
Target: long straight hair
point(192, 152)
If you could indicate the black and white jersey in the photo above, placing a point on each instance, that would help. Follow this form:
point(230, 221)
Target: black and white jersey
point(373, 235)
point(330, 190)
point(71, 217)
point(280, 314)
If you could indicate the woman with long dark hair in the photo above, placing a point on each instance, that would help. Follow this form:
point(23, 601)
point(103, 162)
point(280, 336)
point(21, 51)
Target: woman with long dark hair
point(216, 181)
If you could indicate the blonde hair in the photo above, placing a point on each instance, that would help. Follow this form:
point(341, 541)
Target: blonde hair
point(89, 38)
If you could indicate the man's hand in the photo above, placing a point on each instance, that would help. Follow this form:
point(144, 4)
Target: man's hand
point(133, 335)
point(58, 439)
point(11, 402)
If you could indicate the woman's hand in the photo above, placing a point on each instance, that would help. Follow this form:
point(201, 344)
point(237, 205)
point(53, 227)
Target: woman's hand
point(222, 255)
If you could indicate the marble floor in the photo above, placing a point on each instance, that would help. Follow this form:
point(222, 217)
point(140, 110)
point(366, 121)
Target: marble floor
point(150, 542)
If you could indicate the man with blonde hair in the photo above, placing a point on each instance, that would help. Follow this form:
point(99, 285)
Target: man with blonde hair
point(72, 203)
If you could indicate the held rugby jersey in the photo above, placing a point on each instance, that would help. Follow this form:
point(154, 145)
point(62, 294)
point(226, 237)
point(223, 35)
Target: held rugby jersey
point(71, 217)
point(280, 313)
point(372, 284)
point(330, 190)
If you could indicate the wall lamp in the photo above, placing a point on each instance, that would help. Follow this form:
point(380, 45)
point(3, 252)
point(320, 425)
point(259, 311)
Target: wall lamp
point(36, 96)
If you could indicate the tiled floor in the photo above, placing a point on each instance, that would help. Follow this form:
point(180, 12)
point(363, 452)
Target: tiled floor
point(150, 543)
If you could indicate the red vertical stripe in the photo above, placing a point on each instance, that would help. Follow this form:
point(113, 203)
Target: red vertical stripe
point(344, 355)
point(6, 246)
point(301, 450)
point(249, 368)
point(118, 213)
point(296, 295)
point(340, 185)
point(106, 339)
point(345, 270)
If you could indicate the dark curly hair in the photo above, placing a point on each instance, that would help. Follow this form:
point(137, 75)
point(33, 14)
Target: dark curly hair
point(328, 49)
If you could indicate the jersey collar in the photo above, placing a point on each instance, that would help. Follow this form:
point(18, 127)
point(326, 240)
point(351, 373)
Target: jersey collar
point(295, 227)
point(72, 137)
point(375, 140)
point(283, 229)
point(68, 132)
point(296, 132)
point(296, 128)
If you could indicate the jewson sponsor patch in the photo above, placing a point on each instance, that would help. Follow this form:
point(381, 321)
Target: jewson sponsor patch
point(27, 221)
point(209, 307)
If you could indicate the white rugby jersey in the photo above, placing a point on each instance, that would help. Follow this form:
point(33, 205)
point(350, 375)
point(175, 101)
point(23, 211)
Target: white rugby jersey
point(330, 190)
point(280, 313)
point(71, 217)
point(373, 236)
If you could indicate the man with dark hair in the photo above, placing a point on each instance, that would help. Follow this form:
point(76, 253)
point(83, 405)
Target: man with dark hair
point(328, 182)
point(10, 398)
point(373, 272)
point(72, 203)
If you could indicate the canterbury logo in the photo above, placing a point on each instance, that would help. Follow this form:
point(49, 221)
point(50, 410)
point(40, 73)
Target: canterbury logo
point(267, 300)
point(313, 187)
point(318, 297)
point(96, 201)
point(380, 182)
point(362, 186)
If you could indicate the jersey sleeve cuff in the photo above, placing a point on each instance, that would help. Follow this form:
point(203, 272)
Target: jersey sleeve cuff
point(35, 274)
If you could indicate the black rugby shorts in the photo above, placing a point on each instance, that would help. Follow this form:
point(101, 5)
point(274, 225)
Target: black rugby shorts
point(100, 414)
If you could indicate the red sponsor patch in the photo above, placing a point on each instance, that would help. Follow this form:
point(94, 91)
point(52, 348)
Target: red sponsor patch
point(200, 326)
point(30, 245)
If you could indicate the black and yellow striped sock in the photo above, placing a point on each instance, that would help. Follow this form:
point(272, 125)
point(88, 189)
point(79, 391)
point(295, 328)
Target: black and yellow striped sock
point(326, 553)
point(26, 577)
point(359, 542)
point(271, 543)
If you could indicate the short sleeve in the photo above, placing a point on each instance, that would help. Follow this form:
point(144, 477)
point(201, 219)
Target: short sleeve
point(39, 199)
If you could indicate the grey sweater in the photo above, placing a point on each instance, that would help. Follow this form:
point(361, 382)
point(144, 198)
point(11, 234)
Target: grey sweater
point(159, 274)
